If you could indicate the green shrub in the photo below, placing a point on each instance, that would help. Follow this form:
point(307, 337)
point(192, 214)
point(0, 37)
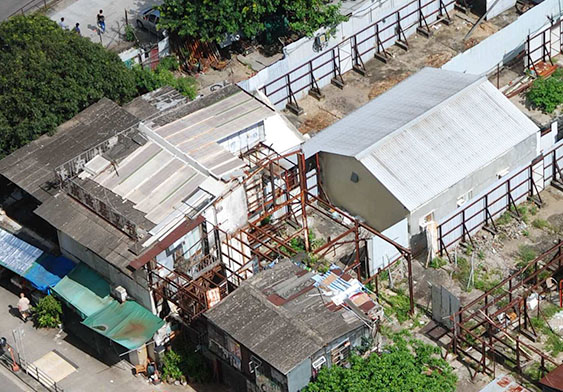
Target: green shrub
point(547, 94)
point(47, 313)
point(541, 224)
point(169, 63)
point(400, 305)
point(171, 365)
point(526, 254)
point(147, 80)
point(438, 262)
point(130, 34)
point(504, 219)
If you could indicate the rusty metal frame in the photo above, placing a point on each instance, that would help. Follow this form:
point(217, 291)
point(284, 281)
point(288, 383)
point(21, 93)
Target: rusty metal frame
point(474, 325)
point(262, 243)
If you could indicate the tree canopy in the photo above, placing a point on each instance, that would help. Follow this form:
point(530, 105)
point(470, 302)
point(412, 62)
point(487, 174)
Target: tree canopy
point(212, 20)
point(408, 365)
point(49, 75)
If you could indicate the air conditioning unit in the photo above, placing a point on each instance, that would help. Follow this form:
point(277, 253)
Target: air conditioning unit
point(119, 293)
point(318, 363)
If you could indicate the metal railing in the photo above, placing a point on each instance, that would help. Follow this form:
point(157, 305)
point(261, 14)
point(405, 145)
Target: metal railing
point(504, 196)
point(310, 68)
point(30, 369)
point(33, 5)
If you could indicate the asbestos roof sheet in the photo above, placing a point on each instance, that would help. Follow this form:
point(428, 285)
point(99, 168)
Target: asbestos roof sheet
point(32, 166)
point(390, 111)
point(197, 132)
point(419, 143)
point(277, 315)
point(153, 179)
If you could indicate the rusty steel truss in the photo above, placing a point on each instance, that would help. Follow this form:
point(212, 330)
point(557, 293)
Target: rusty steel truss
point(492, 328)
point(278, 203)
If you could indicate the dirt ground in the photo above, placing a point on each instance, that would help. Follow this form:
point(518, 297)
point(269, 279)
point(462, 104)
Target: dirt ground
point(498, 257)
point(445, 43)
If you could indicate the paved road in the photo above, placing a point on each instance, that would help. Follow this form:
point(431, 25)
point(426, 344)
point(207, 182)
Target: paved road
point(9, 383)
point(8, 7)
point(85, 11)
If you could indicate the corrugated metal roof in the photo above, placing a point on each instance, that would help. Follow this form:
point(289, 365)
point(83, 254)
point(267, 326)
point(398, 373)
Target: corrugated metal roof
point(197, 133)
point(157, 182)
point(433, 146)
point(388, 112)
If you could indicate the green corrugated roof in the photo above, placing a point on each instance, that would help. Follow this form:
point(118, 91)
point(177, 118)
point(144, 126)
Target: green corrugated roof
point(128, 323)
point(85, 290)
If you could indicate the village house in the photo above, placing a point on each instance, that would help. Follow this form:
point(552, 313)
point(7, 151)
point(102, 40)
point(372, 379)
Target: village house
point(150, 182)
point(280, 327)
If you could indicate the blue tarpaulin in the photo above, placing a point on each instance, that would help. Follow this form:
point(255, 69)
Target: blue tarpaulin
point(41, 269)
point(47, 271)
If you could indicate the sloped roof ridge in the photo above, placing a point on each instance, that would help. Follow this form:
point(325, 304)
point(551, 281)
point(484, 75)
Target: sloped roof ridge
point(368, 150)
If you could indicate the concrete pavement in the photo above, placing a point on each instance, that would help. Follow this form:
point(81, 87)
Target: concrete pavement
point(91, 374)
point(10, 383)
point(85, 11)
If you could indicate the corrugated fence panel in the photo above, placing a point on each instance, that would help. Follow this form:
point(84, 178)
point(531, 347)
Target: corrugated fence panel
point(475, 215)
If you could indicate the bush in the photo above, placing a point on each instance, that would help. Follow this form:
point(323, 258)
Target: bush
point(526, 253)
point(130, 34)
point(438, 262)
point(547, 94)
point(407, 364)
point(47, 313)
point(541, 224)
point(400, 305)
point(169, 62)
point(171, 365)
point(53, 75)
point(147, 80)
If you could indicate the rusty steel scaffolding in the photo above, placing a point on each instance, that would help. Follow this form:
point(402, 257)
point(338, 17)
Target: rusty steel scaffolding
point(278, 201)
point(491, 328)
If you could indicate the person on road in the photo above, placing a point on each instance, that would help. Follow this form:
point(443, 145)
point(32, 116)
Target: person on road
point(23, 307)
point(63, 24)
point(101, 22)
point(76, 29)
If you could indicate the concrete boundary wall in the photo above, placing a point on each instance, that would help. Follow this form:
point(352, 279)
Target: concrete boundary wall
point(505, 44)
point(307, 61)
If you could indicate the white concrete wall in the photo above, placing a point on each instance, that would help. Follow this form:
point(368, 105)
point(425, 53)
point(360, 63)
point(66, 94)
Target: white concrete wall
point(380, 252)
point(304, 50)
point(280, 134)
point(505, 44)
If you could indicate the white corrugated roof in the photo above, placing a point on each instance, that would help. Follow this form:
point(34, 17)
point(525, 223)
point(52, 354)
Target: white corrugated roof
point(432, 147)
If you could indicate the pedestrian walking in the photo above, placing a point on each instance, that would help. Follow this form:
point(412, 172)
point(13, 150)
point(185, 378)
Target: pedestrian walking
point(63, 25)
point(101, 22)
point(23, 307)
point(76, 29)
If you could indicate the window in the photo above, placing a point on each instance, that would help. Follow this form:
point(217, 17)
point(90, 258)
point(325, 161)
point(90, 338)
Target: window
point(354, 177)
point(465, 198)
point(502, 173)
point(339, 355)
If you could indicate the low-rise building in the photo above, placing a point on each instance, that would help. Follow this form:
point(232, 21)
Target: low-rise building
point(276, 331)
point(416, 153)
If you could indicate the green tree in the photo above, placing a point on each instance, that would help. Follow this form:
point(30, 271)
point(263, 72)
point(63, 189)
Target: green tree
point(49, 75)
point(47, 313)
point(211, 20)
point(407, 365)
point(547, 94)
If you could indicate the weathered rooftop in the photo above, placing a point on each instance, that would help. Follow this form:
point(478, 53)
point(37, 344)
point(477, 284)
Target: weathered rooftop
point(32, 167)
point(281, 316)
point(199, 128)
point(411, 137)
point(155, 102)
